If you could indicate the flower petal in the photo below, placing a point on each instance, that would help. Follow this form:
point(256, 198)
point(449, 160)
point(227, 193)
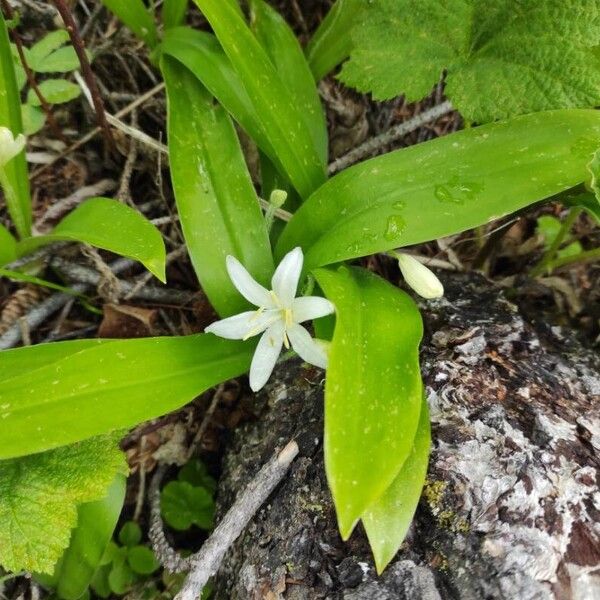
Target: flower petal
point(311, 307)
point(307, 348)
point(246, 285)
point(265, 356)
point(419, 277)
point(286, 277)
point(244, 325)
point(9, 145)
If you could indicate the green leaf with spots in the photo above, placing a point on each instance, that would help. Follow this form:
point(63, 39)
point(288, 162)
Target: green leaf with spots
point(388, 519)
point(502, 58)
point(373, 390)
point(39, 495)
point(444, 186)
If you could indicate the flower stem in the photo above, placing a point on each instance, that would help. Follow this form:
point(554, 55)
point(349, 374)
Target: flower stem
point(547, 263)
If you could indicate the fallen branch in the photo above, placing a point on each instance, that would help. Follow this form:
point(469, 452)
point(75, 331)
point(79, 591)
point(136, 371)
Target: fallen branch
point(375, 144)
point(205, 563)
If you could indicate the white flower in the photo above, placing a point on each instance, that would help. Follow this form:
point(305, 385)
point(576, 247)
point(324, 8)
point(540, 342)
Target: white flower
point(9, 145)
point(419, 277)
point(279, 316)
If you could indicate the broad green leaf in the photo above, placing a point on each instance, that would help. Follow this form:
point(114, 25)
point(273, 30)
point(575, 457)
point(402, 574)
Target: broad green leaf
point(96, 522)
point(444, 186)
point(33, 118)
point(8, 246)
point(39, 495)
point(332, 42)
point(112, 226)
point(284, 50)
point(183, 505)
point(202, 54)
point(388, 519)
point(216, 201)
point(25, 360)
point(502, 58)
point(373, 390)
point(41, 50)
point(55, 91)
point(173, 12)
point(142, 560)
point(275, 106)
point(113, 385)
point(137, 17)
point(16, 186)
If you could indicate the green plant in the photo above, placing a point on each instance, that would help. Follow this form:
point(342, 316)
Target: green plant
point(51, 54)
point(188, 500)
point(502, 58)
point(376, 423)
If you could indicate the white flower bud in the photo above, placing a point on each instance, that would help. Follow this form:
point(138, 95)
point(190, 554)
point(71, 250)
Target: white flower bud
point(9, 145)
point(419, 277)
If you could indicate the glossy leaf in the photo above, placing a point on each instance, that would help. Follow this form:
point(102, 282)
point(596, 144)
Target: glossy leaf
point(110, 225)
point(96, 523)
point(137, 17)
point(216, 201)
point(8, 246)
point(17, 196)
point(275, 106)
point(331, 43)
point(388, 519)
point(373, 389)
point(154, 375)
point(202, 54)
point(173, 12)
point(444, 186)
point(284, 50)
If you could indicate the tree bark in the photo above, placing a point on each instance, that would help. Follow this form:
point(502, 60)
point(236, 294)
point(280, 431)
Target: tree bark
point(511, 506)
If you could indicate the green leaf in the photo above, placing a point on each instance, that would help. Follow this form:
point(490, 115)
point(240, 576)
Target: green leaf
point(110, 225)
point(42, 49)
point(33, 118)
point(587, 201)
point(130, 534)
point(275, 106)
point(284, 50)
point(502, 58)
point(121, 578)
point(137, 17)
point(196, 473)
point(96, 522)
point(373, 390)
point(388, 519)
point(55, 91)
point(8, 246)
point(142, 560)
point(183, 505)
point(155, 375)
point(444, 186)
point(549, 227)
point(216, 201)
point(332, 42)
point(173, 12)
point(63, 60)
point(16, 186)
point(594, 170)
point(39, 495)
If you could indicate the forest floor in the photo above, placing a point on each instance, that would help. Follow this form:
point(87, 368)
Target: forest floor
point(65, 172)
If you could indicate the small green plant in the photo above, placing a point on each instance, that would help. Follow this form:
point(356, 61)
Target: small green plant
point(188, 500)
point(124, 564)
point(377, 432)
point(51, 54)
